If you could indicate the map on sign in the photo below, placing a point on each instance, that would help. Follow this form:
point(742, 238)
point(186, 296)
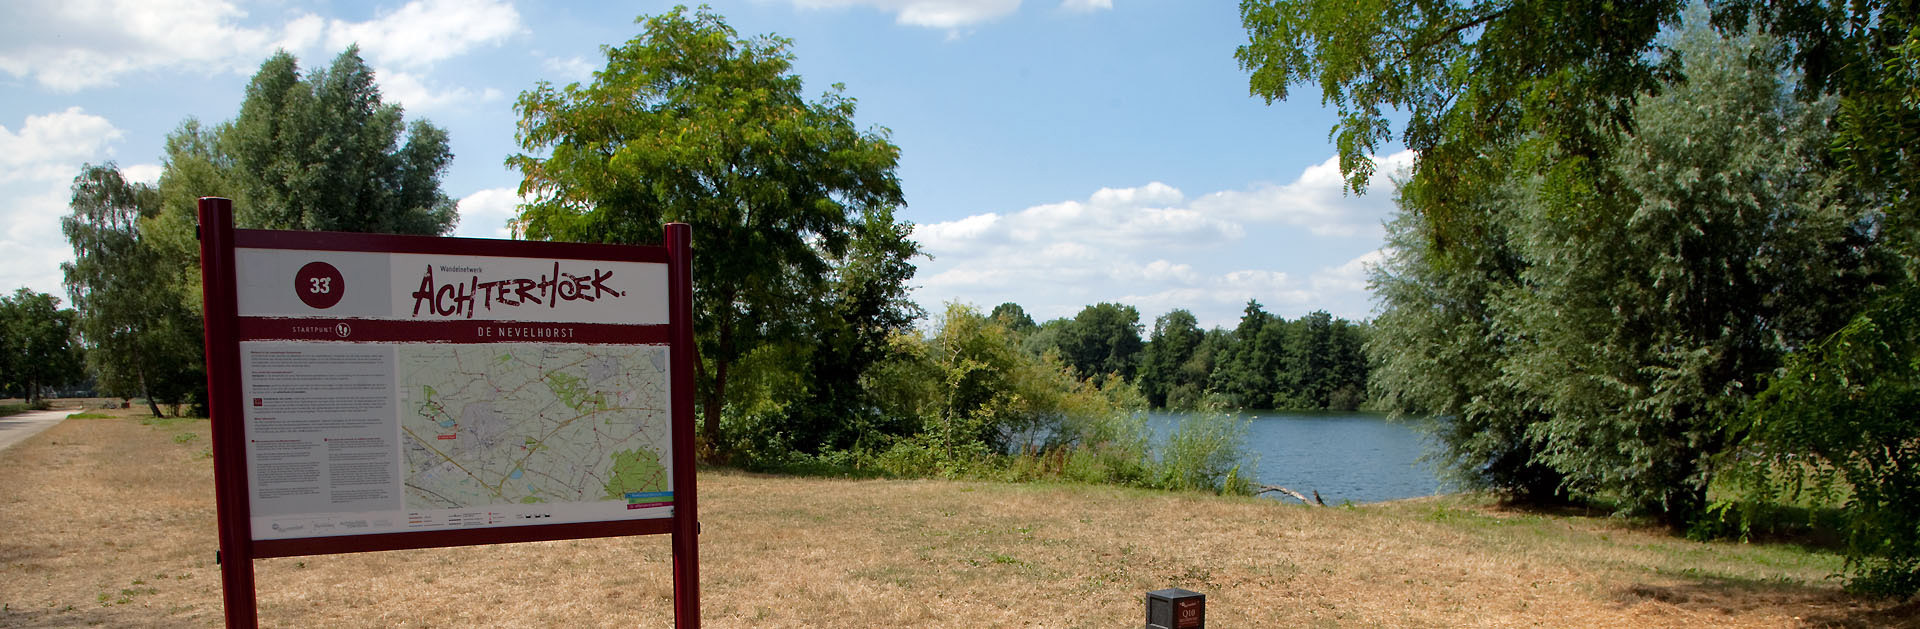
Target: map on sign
point(530, 423)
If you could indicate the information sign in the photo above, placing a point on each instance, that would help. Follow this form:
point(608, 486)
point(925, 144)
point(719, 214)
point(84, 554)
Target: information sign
point(375, 392)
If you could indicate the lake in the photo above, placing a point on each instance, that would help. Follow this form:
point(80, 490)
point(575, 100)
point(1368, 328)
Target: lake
point(1346, 456)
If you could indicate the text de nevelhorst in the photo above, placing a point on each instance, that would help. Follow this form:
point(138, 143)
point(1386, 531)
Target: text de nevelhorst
point(526, 332)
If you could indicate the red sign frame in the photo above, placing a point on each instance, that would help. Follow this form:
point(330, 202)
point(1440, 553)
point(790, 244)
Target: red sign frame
point(225, 329)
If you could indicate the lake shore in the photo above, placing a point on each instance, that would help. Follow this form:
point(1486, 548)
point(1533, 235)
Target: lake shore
point(110, 522)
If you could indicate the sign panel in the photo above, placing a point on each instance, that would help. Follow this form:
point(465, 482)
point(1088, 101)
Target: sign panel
point(393, 392)
point(376, 392)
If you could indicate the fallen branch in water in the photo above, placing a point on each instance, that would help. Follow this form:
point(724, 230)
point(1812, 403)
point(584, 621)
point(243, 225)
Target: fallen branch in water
point(1297, 495)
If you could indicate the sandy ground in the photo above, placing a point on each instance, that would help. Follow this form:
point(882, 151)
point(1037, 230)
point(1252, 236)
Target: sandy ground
point(110, 522)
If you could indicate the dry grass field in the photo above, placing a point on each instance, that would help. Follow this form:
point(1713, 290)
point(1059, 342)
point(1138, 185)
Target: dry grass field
point(110, 522)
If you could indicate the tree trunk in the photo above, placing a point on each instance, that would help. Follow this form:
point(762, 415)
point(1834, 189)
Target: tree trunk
point(1682, 505)
point(717, 398)
point(147, 392)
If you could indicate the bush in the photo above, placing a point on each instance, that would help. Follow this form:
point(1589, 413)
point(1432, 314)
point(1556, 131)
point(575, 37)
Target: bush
point(1205, 452)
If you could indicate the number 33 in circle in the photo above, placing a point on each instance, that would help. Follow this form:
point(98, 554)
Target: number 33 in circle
point(319, 285)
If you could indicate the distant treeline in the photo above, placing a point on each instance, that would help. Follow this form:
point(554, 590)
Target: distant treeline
point(1267, 361)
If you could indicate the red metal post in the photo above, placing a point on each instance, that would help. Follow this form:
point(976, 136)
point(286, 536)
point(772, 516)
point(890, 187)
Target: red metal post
point(686, 523)
point(221, 308)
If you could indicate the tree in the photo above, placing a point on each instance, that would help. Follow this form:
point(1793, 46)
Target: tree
point(37, 350)
point(324, 153)
point(1840, 420)
point(1243, 377)
point(1176, 337)
point(1650, 316)
point(1322, 361)
point(1014, 317)
point(1194, 375)
point(1471, 76)
point(1437, 350)
point(689, 122)
point(1103, 339)
point(864, 308)
point(144, 338)
point(1836, 429)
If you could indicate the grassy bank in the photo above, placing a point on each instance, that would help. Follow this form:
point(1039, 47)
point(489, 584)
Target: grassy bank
point(110, 522)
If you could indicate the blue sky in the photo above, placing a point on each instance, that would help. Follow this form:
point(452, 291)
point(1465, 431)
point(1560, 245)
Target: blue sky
point(1053, 153)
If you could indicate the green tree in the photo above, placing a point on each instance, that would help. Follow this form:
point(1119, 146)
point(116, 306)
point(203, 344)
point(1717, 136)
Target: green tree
point(689, 122)
point(1014, 317)
point(865, 307)
point(324, 153)
point(144, 339)
point(1437, 351)
point(1322, 365)
point(1547, 92)
point(1470, 76)
point(1841, 420)
point(1195, 376)
point(1176, 337)
point(1047, 337)
point(37, 346)
point(991, 392)
point(1243, 377)
point(1654, 306)
point(1836, 429)
point(1103, 339)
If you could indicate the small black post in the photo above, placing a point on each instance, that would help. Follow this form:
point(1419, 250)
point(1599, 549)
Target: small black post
point(1174, 608)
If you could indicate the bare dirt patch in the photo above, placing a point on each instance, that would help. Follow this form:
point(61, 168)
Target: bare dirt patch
point(110, 522)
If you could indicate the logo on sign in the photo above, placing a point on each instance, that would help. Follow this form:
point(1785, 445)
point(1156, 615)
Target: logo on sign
point(319, 285)
point(1189, 614)
point(343, 330)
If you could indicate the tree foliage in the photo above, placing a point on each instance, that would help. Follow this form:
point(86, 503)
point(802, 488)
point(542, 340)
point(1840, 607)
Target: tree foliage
point(1164, 372)
point(144, 336)
point(989, 407)
point(1837, 428)
point(1468, 75)
point(864, 308)
point(1437, 351)
point(37, 345)
point(689, 122)
point(1103, 340)
point(1651, 312)
point(323, 152)
point(1607, 274)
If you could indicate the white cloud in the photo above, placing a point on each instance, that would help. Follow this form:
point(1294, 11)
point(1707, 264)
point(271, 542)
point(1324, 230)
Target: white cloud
point(37, 166)
point(143, 173)
point(1086, 6)
point(302, 33)
point(1317, 200)
point(1350, 277)
point(569, 70)
point(78, 44)
point(30, 234)
point(414, 94)
point(948, 14)
point(1294, 247)
point(1155, 193)
point(1110, 218)
point(484, 214)
point(423, 32)
point(52, 146)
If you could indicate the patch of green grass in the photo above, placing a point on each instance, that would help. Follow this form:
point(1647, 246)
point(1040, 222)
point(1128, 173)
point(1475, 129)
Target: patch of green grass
point(89, 415)
point(185, 437)
point(18, 408)
point(168, 422)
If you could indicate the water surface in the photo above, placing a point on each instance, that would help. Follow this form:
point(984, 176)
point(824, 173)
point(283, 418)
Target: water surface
point(1346, 456)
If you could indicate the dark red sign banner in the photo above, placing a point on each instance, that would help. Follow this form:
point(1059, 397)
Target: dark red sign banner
point(378, 392)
